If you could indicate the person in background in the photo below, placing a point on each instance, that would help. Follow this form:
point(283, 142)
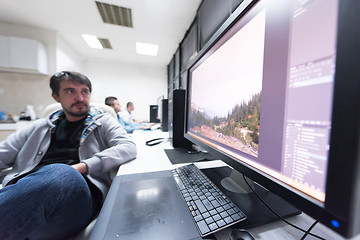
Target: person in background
point(60, 165)
point(130, 127)
point(126, 114)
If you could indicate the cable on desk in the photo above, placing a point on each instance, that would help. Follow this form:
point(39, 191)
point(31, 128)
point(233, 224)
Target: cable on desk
point(307, 232)
point(155, 141)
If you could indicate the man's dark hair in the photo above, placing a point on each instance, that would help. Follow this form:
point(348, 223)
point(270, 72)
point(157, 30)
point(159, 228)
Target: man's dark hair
point(110, 101)
point(128, 104)
point(57, 78)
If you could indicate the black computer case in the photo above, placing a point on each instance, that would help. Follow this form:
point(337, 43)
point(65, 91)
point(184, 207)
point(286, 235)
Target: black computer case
point(176, 119)
point(154, 114)
point(164, 116)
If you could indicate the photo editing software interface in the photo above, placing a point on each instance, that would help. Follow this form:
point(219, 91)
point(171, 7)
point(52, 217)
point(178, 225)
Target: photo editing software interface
point(263, 92)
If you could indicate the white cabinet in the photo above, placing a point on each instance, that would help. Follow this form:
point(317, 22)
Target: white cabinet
point(4, 51)
point(22, 55)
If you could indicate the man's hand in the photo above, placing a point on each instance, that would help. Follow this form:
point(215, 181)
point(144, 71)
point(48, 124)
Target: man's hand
point(80, 167)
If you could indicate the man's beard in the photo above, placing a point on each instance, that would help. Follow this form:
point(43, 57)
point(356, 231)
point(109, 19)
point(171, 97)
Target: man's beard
point(78, 114)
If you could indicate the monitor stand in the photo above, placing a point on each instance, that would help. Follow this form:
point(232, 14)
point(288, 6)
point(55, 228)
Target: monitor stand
point(231, 182)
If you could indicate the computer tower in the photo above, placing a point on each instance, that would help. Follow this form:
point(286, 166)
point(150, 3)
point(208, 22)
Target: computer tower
point(176, 119)
point(154, 114)
point(164, 116)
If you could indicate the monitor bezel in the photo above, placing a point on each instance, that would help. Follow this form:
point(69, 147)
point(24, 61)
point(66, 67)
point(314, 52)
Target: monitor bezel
point(340, 203)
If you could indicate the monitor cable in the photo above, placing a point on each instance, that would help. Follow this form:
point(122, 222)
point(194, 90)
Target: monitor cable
point(155, 141)
point(307, 232)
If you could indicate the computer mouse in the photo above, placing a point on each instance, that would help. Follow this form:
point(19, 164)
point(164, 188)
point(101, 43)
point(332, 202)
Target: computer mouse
point(240, 234)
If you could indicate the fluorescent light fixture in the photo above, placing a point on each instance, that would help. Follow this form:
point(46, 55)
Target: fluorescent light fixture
point(147, 49)
point(92, 41)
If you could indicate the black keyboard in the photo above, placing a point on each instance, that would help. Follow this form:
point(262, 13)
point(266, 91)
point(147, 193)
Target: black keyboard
point(208, 205)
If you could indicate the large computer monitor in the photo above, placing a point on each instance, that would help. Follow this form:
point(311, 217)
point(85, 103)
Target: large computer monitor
point(276, 96)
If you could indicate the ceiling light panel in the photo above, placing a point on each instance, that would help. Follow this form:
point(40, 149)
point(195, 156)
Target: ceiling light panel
point(92, 41)
point(115, 14)
point(147, 49)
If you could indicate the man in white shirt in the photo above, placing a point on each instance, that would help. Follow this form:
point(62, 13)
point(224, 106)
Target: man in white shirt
point(126, 114)
point(129, 120)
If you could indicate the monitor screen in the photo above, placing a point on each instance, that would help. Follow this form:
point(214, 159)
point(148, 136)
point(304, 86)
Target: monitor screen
point(262, 94)
point(233, 102)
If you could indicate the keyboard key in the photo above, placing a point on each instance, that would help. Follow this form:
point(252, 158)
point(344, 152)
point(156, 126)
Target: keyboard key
point(226, 206)
point(231, 211)
point(198, 218)
point(200, 206)
point(213, 212)
point(179, 183)
point(206, 215)
point(220, 209)
point(213, 226)
point(224, 214)
point(193, 206)
point(203, 227)
point(216, 217)
point(228, 220)
point(221, 223)
point(215, 204)
point(207, 204)
point(236, 216)
point(220, 199)
point(209, 220)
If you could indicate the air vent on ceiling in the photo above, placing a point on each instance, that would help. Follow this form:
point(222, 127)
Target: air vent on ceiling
point(115, 15)
point(105, 43)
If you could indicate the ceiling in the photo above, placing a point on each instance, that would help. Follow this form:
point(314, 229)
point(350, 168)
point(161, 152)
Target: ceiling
point(162, 22)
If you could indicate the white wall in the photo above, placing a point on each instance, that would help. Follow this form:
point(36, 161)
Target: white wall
point(67, 58)
point(139, 84)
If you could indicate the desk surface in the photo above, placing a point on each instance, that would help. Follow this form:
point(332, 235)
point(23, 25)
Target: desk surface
point(154, 158)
